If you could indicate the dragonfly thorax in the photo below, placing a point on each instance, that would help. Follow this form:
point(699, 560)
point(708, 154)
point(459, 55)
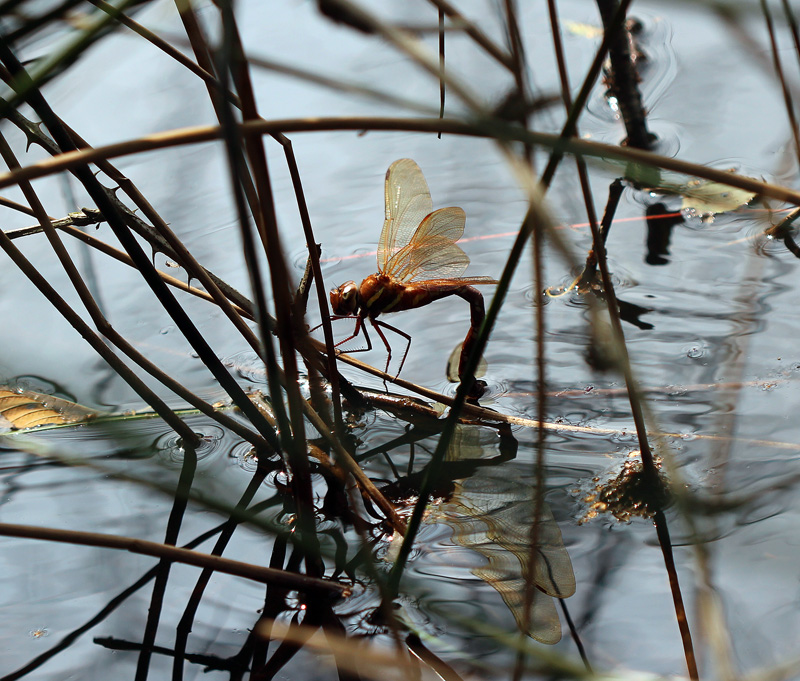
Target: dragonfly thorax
point(376, 294)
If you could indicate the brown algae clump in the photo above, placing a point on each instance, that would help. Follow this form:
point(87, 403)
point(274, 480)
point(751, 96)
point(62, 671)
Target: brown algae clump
point(633, 492)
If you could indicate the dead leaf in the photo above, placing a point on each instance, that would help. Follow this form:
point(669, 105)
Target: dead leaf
point(703, 197)
point(22, 409)
point(709, 198)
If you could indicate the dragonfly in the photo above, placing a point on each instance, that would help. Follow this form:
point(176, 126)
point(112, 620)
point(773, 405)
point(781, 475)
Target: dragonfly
point(419, 262)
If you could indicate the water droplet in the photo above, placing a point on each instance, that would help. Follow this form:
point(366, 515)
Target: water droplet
point(697, 350)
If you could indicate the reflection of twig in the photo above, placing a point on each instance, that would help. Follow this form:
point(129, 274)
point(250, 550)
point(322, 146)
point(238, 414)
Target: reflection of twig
point(444, 670)
point(296, 639)
point(209, 662)
point(662, 529)
point(791, 244)
point(575, 635)
point(110, 607)
point(624, 81)
point(185, 625)
point(589, 274)
point(717, 504)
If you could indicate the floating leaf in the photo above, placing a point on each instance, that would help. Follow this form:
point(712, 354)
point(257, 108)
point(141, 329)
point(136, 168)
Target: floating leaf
point(709, 198)
point(703, 197)
point(22, 409)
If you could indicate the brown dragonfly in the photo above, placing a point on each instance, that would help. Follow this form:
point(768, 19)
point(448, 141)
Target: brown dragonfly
point(418, 262)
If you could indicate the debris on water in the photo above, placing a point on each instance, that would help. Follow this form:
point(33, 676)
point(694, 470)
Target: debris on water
point(630, 493)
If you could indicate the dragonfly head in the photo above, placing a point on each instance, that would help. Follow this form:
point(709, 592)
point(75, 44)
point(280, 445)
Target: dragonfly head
point(345, 299)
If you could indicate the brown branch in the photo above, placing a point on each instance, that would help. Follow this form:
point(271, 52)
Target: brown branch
point(488, 129)
point(474, 32)
point(177, 555)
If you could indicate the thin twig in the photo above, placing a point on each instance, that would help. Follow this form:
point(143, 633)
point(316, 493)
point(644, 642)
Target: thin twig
point(442, 83)
point(184, 627)
point(776, 60)
point(289, 325)
point(316, 269)
point(474, 32)
point(164, 46)
point(177, 555)
point(496, 129)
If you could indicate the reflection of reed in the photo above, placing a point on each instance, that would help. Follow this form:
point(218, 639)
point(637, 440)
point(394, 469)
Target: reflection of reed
point(491, 513)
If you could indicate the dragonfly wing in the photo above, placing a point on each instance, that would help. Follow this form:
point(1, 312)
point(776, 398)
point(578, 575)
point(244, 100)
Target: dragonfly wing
point(455, 282)
point(408, 201)
point(436, 259)
point(479, 281)
point(432, 252)
point(444, 223)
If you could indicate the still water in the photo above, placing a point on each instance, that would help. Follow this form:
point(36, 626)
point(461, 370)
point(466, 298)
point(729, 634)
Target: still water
point(711, 337)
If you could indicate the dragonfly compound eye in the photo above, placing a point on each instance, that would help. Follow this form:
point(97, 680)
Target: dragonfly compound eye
point(344, 299)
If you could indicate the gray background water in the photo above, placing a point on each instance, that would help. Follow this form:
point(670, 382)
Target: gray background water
point(723, 310)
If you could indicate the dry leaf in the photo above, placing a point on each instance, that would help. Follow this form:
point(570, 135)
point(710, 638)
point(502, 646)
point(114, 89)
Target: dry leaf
point(21, 409)
point(704, 198)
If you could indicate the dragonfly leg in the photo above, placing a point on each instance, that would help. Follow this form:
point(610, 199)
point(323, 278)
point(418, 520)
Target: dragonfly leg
point(378, 326)
point(360, 326)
